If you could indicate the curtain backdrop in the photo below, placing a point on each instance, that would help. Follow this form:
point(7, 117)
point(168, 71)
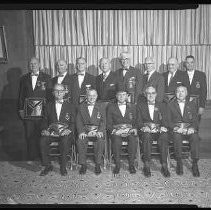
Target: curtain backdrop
point(93, 34)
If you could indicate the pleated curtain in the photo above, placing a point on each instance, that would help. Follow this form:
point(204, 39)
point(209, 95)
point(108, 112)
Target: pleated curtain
point(93, 34)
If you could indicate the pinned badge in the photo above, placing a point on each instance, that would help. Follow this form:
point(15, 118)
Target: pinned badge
point(67, 116)
point(98, 115)
point(197, 84)
point(130, 116)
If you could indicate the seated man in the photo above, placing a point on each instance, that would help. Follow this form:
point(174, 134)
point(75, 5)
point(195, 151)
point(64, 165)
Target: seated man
point(119, 115)
point(57, 113)
point(90, 122)
point(183, 121)
point(152, 123)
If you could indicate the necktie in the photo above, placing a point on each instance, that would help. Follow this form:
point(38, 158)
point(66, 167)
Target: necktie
point(60, 75)
point(104, 77)
point(151, 103)
point(171, 76)
point(147, 76)
point(181, 101)
point(60, 102)
point(80, 74)
point(32, 74)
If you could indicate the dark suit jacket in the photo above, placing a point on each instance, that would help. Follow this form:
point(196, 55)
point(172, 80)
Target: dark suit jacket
point(76, 91)
point(53, 81)
point(26, 91)
point(156, 80)
point(107, 90)
point(115, 117)
point(123, 81)
point(67, 115)
point(199, 87)
point(189, 116)
point(160, 115)
point(83, 118)
point(180, 77)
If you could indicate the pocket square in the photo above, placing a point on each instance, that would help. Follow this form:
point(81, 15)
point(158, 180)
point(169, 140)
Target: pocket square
point(179, 82)
point(111, 84)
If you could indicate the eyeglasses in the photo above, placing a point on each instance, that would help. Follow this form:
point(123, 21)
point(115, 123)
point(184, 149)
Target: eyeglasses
point(59, 91)
point(152, 93)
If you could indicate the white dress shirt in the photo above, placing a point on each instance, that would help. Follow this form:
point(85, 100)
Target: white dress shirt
point(190, 75)
point(81, 79)
point(151, 110)
point(34, 80)
point(105, 75)
point(170, 76)
point(122, 108)
point(90, 108)
point(150, 74)
point(60, 79)
point(181, 106)
point(58, 109)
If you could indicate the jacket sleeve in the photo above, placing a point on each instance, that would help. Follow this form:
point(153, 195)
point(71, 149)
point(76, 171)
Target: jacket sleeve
point(203, 95)
point(139, 120)
point(72, 119)
point(21, 97)
point(160, 88)
point(164, 113)
point(195, 122)
point(44, 122)
point(102, 126)
point(79, 123)
point(109, 122)
point(169, 117)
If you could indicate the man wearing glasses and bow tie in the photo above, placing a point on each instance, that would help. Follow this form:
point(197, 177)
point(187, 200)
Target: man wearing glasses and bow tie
point(32, 85)
point(121, 122)
point(152, 123)
point(81, 81)
point(58, 112)
point(183, 121)
point(152, 78)
point(63, 77)
point(90, 123)
point(129, 78)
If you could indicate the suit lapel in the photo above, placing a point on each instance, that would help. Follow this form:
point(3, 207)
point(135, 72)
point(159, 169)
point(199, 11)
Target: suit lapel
point(39, 78)
point(85, 111)
point(194, 79)
point(118, 109)
point(176, 105)
point(29, 80)
point(53, 109)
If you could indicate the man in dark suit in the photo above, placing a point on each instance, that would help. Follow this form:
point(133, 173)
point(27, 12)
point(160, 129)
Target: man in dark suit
point(106, 83)
point(90, 123)
point(198, 83)
point(57, 111)
point(149, 114)
point(81, 81)
point(120, 113)
point(32, 85)
point(152, 78)
point(129, 79)
point(174, 77)
point(62, 78)
point(180, 111)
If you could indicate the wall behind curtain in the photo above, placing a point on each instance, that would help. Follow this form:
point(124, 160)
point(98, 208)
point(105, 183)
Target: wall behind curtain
point(68, 34)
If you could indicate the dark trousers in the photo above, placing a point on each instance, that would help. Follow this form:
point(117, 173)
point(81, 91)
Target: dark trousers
point(32, 136)
point(148, 138)
point(116, 143)
point(194, 145)
point(99, 145)
point(64, 148)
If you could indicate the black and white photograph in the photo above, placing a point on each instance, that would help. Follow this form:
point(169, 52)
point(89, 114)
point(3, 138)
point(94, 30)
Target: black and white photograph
point(105, 105)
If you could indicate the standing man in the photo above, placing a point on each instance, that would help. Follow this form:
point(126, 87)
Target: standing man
point(90, 122)
point(118, 115)
point(183, 122)
point(81, 81)
point(106, 83)
point(198, 83)
point(32, 85)
point(57, 112)
point(150, 114)
point(129, 79)
point(62, 78)
point(153, 78)
point(174, 77)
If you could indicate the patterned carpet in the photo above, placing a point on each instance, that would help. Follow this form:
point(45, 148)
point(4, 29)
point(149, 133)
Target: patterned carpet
point(20, 183)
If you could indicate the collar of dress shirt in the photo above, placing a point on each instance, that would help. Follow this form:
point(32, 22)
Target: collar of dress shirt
point(181, 101)
point(81, 73)
point(120, 104)
point(151, 103)
point(90, 104)
point(62, 75)
point(191, 72)
point(35, 74)
point(106, 74)
point(173, 73)
point(60, 101)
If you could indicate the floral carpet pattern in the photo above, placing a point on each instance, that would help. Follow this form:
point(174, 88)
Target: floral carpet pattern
point(20, 183)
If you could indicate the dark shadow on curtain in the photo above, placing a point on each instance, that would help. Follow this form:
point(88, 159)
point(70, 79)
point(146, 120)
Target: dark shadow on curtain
point(115, 64)
point(92, 69)
point(182, 66)
point(12, 136)
point(162, 68)
point(140, 67)
point(71, 68)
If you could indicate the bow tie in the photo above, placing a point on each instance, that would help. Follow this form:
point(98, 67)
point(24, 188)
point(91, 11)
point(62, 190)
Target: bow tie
point(91, 104)
point(120, 104)
point(126, 69)
point(32, 74)
point(151, 103)
point(59, 102)
point(81, 74)
point(61, 75)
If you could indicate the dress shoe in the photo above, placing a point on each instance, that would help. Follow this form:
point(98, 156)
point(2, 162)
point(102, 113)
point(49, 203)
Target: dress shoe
point(195, 170)
point(165, 172)
point(63, 171)
point(116, 170)
point(147, 171)
point(97, 169)
point(179, 168)
point(83, 169)
point(46, 170)
point(132, 169)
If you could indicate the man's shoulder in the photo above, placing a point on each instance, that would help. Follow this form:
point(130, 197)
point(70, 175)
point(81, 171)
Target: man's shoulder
point(200, 73)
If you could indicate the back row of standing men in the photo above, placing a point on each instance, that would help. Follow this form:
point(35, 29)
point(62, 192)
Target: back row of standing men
point(38, 84)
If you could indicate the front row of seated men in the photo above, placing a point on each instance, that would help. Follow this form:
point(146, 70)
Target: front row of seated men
point(150, 120)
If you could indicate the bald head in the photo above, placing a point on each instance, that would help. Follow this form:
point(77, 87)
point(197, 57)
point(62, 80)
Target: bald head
point(61, 66)
point(34, 65)
point(172, 64)
point(125, 59)
point(105, 64)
